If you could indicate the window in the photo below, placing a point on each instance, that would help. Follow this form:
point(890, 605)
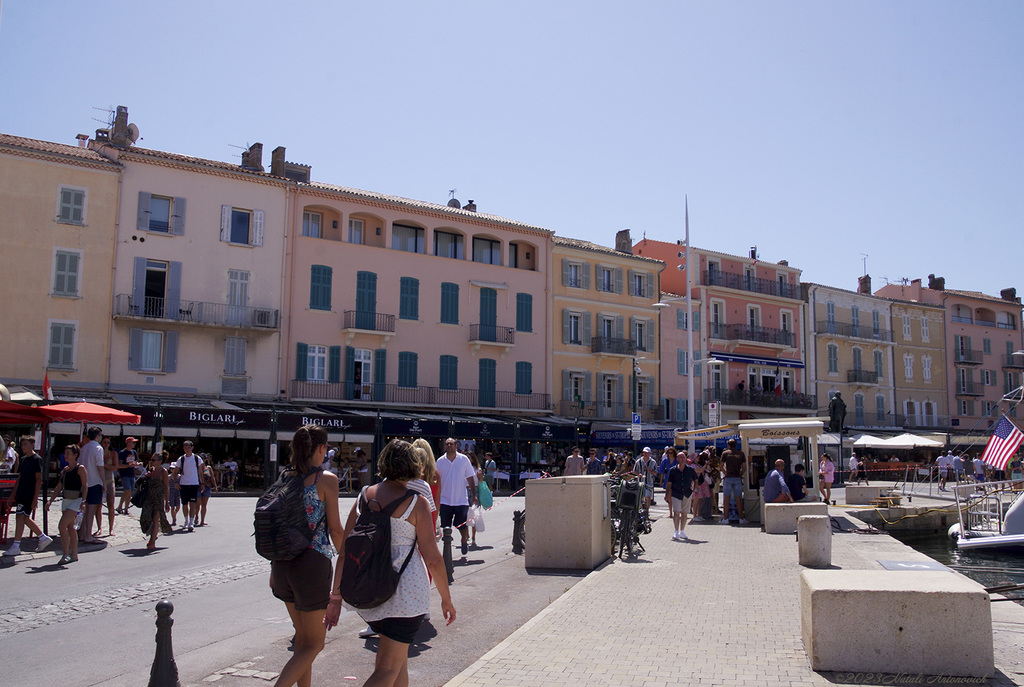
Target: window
point(575, 274)
point(754, 317)
point(830, 317)
point(320, 277)
point(855, 320)
point(449, 377)
point(987, 377)
point(607, 280)
point(879, 367)
point(682, 362)
point(640, 334)
point(1005, 320)
point(833, 358)
point(355, 231)
point(71, 205)
point(876, 324)
point(409, 299)
point(66, 268)
point(152, 351)
point(638, 283)
point(906, 327)
point(62, 345)
point(966, 407)
point(449, 303)
point(880, 408)
point(575, 336)
point(407, 238)
point(986, 346)
point(486, 251)
point(908, 366)
point(926, 367)
point(524, 312)
point(681, 322)
point(161, 214)
point(407, 364)
point(925, 335)
point(311, 223)
point(524, 378)
point(241, 227)
point(448, 245)
point(234, 355)
point(316, 363)
point(786, 320)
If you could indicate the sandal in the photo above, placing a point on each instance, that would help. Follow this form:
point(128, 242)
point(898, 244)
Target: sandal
point(64, 560)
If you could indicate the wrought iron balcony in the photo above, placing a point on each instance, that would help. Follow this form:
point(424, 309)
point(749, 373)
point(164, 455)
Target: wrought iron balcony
point(969, 389)
point(732, 280)
point(746, 332)
point(857, 331)
point(862, 377)
point(492, 333)
point(605, 411)
point(968, 356)
point(920, 421)
point(420, 396)
point(761, 399)
point(1016, 361)
point(368, 321)
point(196, 312)
point(611, 344)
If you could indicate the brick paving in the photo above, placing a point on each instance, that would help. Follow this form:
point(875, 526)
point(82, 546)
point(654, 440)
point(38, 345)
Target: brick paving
point(723, 609)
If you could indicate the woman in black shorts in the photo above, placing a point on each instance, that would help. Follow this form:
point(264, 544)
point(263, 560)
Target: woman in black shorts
point(304, 582)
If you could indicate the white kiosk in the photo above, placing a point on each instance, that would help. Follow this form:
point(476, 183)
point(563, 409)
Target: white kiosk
point(775, 429)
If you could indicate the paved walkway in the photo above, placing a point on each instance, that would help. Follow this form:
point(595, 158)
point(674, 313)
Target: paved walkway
point(722, 609)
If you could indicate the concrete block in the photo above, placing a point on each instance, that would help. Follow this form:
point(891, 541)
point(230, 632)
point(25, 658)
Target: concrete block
point(814, 547)
point(862, 495)
point(780, 518)
point(884, 621)
point(568, 523)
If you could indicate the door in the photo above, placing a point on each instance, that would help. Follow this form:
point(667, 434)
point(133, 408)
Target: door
point(156, 289)
point(238, 297)
point(488, 314)
point(366, 301)
point(362, 374)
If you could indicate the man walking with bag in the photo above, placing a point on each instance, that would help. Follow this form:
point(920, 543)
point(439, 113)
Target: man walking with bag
point(458, 489)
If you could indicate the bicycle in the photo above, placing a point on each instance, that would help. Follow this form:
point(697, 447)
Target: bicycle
point(628, 515)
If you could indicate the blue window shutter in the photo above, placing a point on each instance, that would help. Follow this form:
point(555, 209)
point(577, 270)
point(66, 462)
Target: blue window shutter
point(301, 350)
point(178, 220)
point(680, 319)
point(450, 303)
point(486, 384)
point(134, 349)
point(350, 371)
point(143, 215)
point(139, 287)
point(380, 359)
point(173, 289)
point(409, 299)
point(524, 378)
point(696, 321)
point(334, 364)
point(449, 372)
point(171, 351)
point(320, 280)
point(524, 312)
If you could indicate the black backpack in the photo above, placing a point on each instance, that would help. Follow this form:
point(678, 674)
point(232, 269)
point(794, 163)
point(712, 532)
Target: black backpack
point(141, 491)
point(281, 528)
point(368, 577)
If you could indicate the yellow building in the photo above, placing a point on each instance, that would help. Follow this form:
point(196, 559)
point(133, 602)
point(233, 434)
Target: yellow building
point(920, 364)
point(58, 214)
point(605, 356)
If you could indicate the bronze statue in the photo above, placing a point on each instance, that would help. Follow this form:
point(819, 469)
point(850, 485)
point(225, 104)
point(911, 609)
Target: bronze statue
point(836, 413)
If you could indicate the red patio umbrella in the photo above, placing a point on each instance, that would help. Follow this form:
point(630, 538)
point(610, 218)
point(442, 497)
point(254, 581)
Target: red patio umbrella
point(17, 414)
point(88, 412)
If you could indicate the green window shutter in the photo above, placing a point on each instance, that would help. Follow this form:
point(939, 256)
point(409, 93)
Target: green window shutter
point(334, 364)
point(301, 350)
point(524, 378)
point(350, 371)
point(407, 369)
point(449, 377)
point(320, 278)
point(449, 303)
point(409, 299)
point(488, 369)
point(524, 312)
point(380, 359)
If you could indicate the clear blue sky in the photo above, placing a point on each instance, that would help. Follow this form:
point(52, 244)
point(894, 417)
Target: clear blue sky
point(817, 131)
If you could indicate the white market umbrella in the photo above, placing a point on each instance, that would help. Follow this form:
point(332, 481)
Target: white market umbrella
point(911, 441)
point(869, 441)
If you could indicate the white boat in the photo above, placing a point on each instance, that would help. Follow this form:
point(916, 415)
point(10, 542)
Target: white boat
point(991, 515)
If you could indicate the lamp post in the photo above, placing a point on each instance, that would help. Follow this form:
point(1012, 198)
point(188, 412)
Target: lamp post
point(633, 391)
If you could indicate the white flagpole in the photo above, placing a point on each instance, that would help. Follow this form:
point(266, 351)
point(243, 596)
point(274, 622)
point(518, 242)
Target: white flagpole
point(690, 410)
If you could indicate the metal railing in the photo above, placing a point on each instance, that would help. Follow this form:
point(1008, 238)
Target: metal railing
point(1013, 361)
point(492, 333)
point(416, 395)
point(746, 332)
point(762, 399)
point(732, 280)
point(857, 331)
point(606, 411)
point(197, 312)
point(968, 356)
point(969, 389)
point(369, 321)
point(920, 421)
point(862, 377)
point(611, 344)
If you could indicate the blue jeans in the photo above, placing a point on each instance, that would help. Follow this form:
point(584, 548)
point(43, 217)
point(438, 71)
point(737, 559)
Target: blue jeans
point(732, 486)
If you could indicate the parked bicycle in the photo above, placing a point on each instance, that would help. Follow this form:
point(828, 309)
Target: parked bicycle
point(629, 515)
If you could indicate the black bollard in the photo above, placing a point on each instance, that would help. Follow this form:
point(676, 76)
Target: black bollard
point(518, 525)
point(164, 672)
point(446, 539)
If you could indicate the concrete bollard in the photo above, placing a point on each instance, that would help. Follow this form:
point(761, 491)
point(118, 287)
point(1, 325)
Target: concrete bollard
point(518, 525)
point(446, 539)
point(164, 672)
point(814, 540)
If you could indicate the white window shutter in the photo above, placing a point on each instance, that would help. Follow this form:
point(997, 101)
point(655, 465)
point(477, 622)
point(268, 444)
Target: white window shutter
point(225, 223)
point(257, 227)
point(71, 283)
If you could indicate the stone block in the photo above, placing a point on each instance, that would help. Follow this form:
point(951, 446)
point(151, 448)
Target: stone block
point(883, 621)
point(780, 518)
point(568, 522)
point(862, 495)
point(814, 535)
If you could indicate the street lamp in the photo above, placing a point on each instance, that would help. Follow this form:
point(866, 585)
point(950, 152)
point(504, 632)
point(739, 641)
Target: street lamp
point(637, 371)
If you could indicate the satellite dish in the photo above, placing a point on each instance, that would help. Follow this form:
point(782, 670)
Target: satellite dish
point(133, 133)
point(454, 203)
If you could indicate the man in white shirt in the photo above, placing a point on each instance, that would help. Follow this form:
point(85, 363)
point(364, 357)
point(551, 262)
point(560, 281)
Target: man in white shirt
point(189, 466)
point(91, 456)
point(943, 463)
point(458, 481)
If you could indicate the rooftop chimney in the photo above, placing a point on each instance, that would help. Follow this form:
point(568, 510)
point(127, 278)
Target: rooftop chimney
point(936, 283)
point(83, 140)
point(623, 242)
point(277, 162)
point(253, 158)
point(471, 206)
point(864, 284)
point(1009, 294)
point(753, 252)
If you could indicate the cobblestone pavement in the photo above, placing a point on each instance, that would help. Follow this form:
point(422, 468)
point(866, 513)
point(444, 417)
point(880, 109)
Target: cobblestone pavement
point(29, 617)
point(722, 609)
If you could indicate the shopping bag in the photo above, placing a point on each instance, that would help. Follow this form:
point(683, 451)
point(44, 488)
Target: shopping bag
point(475, 518)
point(485, 496)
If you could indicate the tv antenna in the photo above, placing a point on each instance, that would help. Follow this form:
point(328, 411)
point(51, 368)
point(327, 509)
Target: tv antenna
point(109, 120)
point(864, 261)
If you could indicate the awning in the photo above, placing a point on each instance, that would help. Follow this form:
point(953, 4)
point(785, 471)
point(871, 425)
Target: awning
point(349, 438)
point(254, 434)
point(213, 432)
point(911, 441)
point(757, 360)
point(869, 441)
point(708, 433)
point(73, 428)
point(780, 429)
point(179, 431)
point(89, 413)
point(138, 430)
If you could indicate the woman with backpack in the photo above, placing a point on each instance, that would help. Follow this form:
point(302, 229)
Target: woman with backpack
point(71, 481)
point(304, 582)
point(397, 618)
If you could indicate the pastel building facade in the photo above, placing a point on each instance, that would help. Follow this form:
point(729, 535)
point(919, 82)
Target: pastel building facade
point(58, 213)
point(404, 304)
point(919, 365)
point(604, 332)
point(850, 352)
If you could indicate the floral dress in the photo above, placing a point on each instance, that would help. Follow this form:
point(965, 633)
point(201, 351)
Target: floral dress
point(154, 505)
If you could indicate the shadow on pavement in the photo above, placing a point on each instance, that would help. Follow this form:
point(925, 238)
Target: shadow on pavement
point(51, 567)
point(141, 553)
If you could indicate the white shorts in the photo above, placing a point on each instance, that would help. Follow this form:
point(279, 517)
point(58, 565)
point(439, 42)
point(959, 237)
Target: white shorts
point(681, 505)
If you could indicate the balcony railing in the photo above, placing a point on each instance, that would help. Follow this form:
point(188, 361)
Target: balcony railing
point(1013, 361)
point(920, 421)
point(862, 377)
point(610, 411)
point(611, 344)
point(368, 321)
point(731, 280)
point(761, 399)
point(968, 356)
point(417, 395)
point(197, 312)
point(492, 333)
point(858, 331)
point(969, 389)
point(746, 332)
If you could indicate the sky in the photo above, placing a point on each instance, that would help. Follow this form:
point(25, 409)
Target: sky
point(820, 132)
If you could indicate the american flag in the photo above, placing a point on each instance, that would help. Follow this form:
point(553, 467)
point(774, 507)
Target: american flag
point(1002, 444)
